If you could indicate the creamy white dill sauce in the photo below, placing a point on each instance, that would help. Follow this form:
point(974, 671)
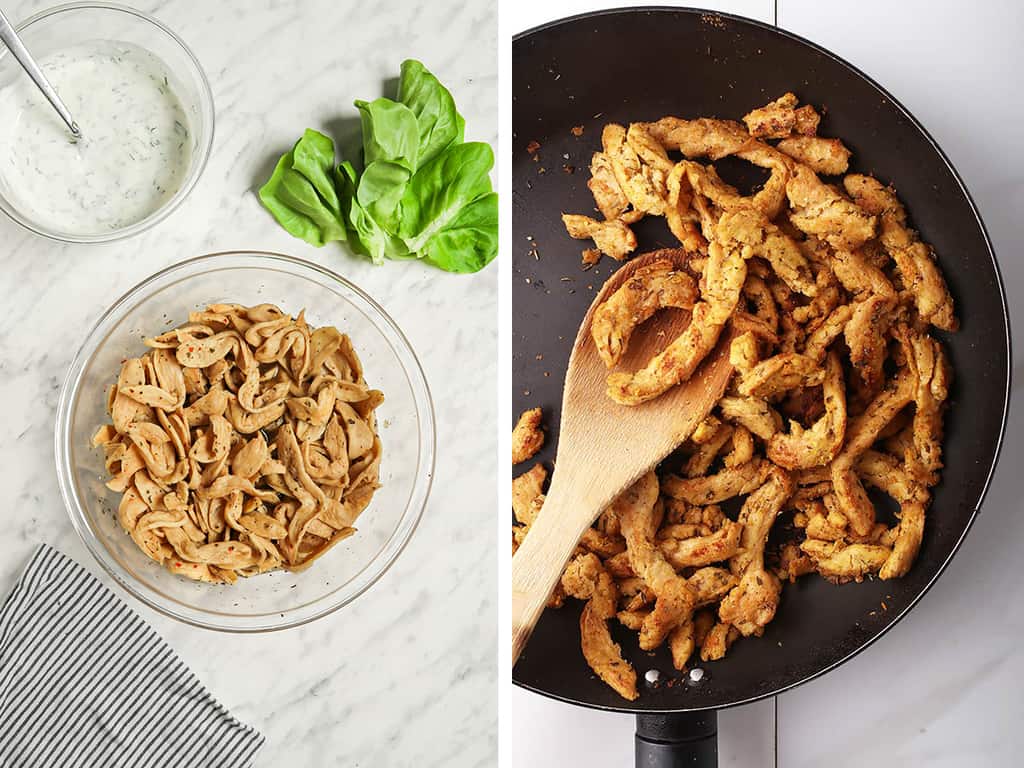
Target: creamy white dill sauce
point(135, 148)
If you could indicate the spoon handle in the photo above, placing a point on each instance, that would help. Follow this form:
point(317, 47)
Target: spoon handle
point(11, 39)
point(538, 564)
point(603, 448)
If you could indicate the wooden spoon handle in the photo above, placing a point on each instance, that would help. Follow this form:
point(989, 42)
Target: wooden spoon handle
point(538, 563)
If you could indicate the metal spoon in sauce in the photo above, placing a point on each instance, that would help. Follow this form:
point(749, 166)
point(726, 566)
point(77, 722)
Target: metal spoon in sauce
point(17, 48)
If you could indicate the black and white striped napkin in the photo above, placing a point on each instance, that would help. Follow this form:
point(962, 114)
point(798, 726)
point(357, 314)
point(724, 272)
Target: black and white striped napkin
point(84, 681)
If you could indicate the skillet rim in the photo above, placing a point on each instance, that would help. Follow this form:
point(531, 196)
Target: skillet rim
point(821, 51)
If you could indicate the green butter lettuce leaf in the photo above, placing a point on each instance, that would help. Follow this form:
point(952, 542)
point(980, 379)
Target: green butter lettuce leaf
point(423, 192)
point(379, 190)
point(367, 236)
point(440, 189)
point(314, 159)
point(470, 241)
point(390, 132)
point(293, 222)
point(438, 122)
point(460, 124)
point(292, 196)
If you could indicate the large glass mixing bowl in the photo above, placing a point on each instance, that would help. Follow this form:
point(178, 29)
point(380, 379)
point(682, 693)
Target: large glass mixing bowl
point(277, 599)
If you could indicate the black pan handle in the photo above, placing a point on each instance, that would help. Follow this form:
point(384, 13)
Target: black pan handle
point(686, 739)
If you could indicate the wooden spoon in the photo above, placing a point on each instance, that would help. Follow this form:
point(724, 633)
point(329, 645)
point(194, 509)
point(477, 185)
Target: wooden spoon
point(604, 447)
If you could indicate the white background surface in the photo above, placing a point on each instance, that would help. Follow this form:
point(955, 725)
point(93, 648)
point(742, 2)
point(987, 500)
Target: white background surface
point(943, 687)
point(406, 675)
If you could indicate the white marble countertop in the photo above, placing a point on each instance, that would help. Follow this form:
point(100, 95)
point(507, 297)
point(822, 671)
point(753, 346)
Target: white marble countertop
point(405, 675)
point(942, 688)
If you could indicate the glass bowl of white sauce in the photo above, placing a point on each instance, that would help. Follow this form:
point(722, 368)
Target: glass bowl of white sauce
point(143, 105)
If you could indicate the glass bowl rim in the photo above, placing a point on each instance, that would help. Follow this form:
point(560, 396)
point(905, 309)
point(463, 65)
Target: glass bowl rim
point(387, 555)
point(204, 151)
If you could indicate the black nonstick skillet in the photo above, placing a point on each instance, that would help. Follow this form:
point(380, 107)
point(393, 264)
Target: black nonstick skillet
point(572, 77)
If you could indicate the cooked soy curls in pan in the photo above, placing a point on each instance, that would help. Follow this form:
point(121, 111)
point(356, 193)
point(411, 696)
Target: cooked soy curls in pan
point(838, 386)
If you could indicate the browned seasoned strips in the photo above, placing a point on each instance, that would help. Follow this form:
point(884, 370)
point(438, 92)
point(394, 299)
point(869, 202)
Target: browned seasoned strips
point(527, 436)
point(838, 387)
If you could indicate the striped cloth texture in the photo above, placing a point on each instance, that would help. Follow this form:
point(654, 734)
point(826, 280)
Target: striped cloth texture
point(84, 681)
